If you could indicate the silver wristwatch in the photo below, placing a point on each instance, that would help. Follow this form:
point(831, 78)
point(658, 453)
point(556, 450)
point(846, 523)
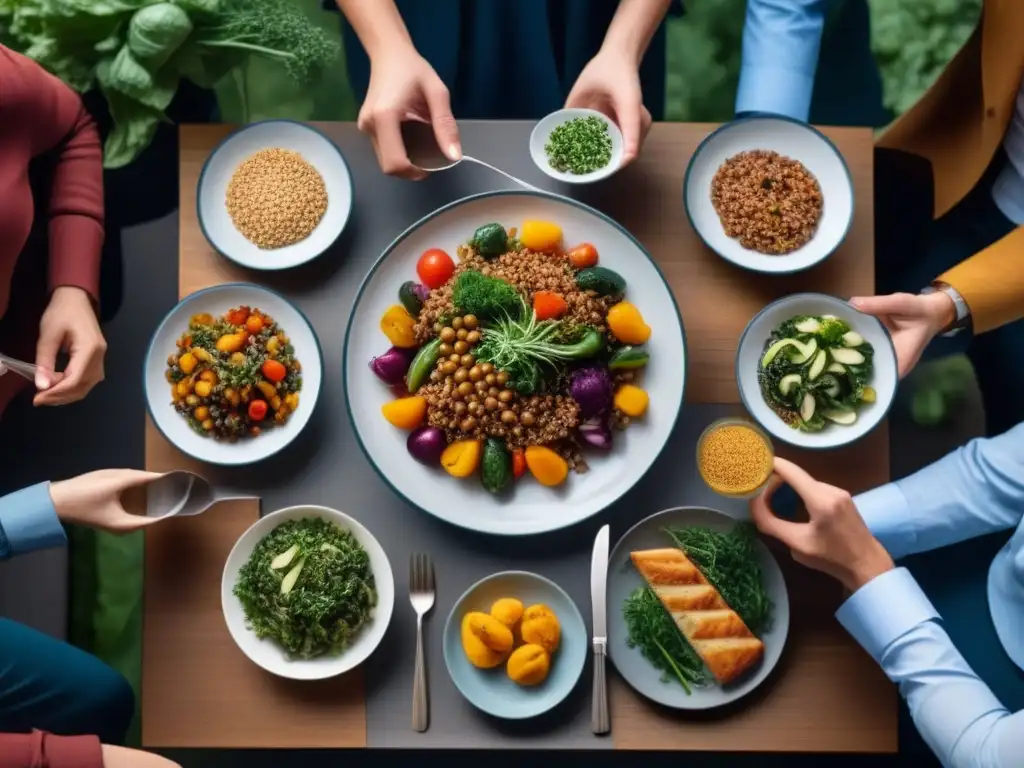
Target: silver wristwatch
point(963, 312)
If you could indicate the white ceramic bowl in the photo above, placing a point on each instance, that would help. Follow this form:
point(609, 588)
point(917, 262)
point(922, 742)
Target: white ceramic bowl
point(543, 129)
point(265, 652)
point(793, 139)
point(530, 508)
point(748, 360)
point(217, 301)
point(322, 153)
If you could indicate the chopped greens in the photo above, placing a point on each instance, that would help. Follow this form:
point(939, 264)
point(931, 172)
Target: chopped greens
point(815, 370)
point(309, 586)
point(486, 297)
point(729, 561)
point(578, 146)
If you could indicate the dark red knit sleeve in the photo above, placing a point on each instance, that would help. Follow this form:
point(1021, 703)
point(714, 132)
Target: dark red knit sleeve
point(44, 750)
point(61, 124)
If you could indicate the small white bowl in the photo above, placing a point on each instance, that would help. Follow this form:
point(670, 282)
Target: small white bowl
point(543, 129)
point(793, 139)
point(216, 301)
point(266, 653)
point(751, 347)
point(211, 208)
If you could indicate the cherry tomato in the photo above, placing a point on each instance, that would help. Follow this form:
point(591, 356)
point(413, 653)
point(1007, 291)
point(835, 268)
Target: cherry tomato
point(238, 316)
point(254, 324)
point(435, 267)
point(258, 410)
point(518, 463)
point(583, 255)
point(274, 371)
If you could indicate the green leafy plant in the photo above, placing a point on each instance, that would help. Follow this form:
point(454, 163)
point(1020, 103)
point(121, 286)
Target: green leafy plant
point(138, 51)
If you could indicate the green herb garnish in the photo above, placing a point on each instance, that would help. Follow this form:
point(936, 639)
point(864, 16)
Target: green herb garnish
point(309, 586)
point(486, 297)
point(652, 630)
point(581, 145)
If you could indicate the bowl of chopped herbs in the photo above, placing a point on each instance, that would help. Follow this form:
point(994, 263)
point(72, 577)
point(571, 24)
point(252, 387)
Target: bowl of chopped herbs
point(307, 593)
point(714, 572)
point(577, 146)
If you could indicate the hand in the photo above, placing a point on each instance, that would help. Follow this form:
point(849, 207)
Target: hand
point(95, 499)
point(403, 86)
point(836, 541)
point(913, 321)
point(610, 83)
point(69, 324)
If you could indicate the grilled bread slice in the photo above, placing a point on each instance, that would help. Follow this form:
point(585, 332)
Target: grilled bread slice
point(718, 634)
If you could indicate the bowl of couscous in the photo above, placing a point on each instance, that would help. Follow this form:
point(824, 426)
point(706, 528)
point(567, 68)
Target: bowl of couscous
point(734, 458)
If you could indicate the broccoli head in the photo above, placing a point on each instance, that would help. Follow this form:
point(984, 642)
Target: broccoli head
point(486, 297)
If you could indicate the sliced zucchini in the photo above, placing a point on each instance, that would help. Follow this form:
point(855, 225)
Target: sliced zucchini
point(847, 356)
point(774, 349)
point(836, 368)
point(818, 365)
point(808, 325)
point(852, 339)
point(841, 417)
point(288, 582)
point(806, 351)
point(833, 390)
point(807, 407)
point(787, 382)
point(829, 317)
point(285, 558)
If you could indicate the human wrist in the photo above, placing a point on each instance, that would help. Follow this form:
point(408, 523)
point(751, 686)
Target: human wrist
point(941, 310)
point(871, 564)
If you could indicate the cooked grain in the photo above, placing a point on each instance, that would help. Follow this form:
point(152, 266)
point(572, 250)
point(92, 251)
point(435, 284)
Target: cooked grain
point(770, 203)
point(734, 459)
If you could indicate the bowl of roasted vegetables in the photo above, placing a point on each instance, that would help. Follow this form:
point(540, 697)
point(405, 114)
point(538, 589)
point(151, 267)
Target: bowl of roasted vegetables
point(514, 363)
point(233, 374)
point(815, 372)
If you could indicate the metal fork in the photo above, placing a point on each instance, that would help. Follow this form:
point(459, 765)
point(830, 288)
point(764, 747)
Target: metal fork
point(421, 595)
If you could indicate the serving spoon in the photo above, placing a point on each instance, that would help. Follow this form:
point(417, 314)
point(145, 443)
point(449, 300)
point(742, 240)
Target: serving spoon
point(425, 155)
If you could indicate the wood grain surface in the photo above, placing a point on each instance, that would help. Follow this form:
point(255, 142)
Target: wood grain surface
point(826, 695)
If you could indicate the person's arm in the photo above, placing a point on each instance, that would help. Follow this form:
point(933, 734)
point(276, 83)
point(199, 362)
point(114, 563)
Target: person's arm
point(976, 489)
point(992, 282)
point(29, 521)
point(46, 750)
point(956, 713)
point(634, 25)
point(59, 122)
point(377, 24)
point(781, 39)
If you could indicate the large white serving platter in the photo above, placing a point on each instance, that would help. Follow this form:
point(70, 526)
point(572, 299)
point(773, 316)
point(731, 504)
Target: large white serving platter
point(530, 508)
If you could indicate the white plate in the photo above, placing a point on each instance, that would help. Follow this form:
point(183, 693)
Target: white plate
point(322, 153)
point(267, 653)
point(217, 301)
point(751, 347)
point(543, 129)
point(793, 139)
point(530, 508)
point(623, 580)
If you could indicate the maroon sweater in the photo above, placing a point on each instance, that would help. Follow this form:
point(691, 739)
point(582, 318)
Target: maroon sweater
point(44, 750)
point(39, 115)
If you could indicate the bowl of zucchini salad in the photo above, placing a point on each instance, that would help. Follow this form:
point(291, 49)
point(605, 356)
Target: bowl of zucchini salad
point(814, 372)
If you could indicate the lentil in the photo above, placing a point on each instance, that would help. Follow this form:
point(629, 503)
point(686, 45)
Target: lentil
point(275, 198)
point(734, 459)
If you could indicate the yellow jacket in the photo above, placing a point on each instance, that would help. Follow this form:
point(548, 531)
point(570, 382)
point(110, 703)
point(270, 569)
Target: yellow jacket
point(959, 125)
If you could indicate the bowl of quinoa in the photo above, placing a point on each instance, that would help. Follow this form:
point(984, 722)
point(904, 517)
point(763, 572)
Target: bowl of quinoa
point(769, 194)
point(274, 195)
point(535, 368)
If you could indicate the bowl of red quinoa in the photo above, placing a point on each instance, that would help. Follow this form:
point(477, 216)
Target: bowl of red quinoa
point(769, 194)
point(412, 437)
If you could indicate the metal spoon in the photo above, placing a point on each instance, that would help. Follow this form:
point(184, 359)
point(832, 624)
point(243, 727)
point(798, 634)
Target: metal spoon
point(182, 493)
point(424, 154)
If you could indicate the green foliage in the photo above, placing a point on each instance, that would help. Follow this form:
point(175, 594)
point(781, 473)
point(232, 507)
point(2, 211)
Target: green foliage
point(486, 297)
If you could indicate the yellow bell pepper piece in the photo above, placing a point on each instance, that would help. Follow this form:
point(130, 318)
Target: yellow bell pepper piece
point(398, 325)
point(627, 324)
point(461, 458)
point(406, 412)
point(546, 466)
point(543, 236)
point(631, 400)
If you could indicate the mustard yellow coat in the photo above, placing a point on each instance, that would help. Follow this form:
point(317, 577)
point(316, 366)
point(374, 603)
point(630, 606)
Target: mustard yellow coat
point(959, 125)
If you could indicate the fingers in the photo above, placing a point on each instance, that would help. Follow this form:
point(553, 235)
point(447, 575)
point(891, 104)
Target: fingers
point(798, 478)
point(126, 478)
point(47, 350)
point(766, 521)
point(446, 130)
point(628, 116)
point(385, 129)
point(893, 304)
point(84, 371)
point(3, 369)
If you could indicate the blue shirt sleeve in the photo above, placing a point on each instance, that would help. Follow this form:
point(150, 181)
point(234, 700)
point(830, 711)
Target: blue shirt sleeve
point(956, 713)
point(781, 39)
point(975, 490)
point(28, 521)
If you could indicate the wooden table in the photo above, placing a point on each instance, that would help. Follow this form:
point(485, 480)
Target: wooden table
point(198, 689)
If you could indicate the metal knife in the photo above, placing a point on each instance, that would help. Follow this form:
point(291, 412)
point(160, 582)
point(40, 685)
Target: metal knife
point(599, 720)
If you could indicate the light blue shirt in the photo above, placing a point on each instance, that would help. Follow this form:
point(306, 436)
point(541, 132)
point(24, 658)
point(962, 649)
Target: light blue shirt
point(781, 39)
point(975, 490)
point(28, 521)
